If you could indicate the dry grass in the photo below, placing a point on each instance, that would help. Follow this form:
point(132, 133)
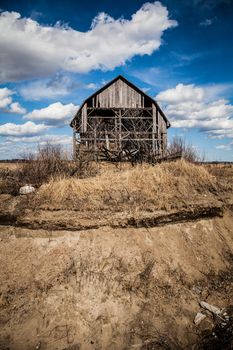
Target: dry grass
point(10, 165)
point(224, 175)
point(144, 187)
point(49, 161)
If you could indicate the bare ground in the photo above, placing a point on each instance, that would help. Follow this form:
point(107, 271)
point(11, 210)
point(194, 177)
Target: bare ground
point(114, 279)
point(111, 288)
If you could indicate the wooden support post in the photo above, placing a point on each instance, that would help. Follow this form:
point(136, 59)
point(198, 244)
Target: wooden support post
point(120, 128)
point(74, 143)
point(154, 128)
point(95, 141)
point(158, 131)
point(107, 139)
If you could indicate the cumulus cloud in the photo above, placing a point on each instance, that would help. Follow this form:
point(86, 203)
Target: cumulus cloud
point(181, 93)
point(26, 129)
point(187, 106)
point(6, 103)
point(29, 49)
point(16, 108)
point(5, 97)
point(55, 114)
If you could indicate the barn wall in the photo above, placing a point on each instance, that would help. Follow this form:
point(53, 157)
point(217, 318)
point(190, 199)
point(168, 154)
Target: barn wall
point(121, 95)
point(117, 95)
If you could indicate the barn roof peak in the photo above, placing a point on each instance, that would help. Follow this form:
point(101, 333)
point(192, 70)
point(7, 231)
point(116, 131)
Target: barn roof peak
point(133, 86)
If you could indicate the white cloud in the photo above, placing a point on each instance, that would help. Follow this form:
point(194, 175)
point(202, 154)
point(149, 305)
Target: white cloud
point(226, 147)
point(5, 97)
point(188, 106)
point(218, 91)
point(16, 108)
point(21, 146)
point(43, 139)
point(26, 129)
point(221, 133)
point(92, 86)
point(55, 114)
point(29, 49)
point(3, 149)
point(6, 103)
point(58, 86)
point(181, 93)
point(145, 89)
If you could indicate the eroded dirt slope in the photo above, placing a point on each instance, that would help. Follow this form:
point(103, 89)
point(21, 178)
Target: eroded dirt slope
point(112, 288)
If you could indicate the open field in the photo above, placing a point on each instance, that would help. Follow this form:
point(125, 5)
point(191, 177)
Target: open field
point(118, 260)
point(9, 165)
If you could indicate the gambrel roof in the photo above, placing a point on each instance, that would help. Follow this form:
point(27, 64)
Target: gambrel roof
point(133, 87)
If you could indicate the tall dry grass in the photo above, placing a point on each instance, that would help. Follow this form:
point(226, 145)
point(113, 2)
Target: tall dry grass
point(178, 145)
point(144, 187)
point(49, 161)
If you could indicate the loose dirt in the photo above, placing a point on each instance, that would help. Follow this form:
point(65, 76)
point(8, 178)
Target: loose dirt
point(112, 288)
point(122, 270)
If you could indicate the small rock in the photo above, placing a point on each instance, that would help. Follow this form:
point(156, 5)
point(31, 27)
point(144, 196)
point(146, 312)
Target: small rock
point(215, 310)
point(38, 346)
point(198, 318)
point(26, 189)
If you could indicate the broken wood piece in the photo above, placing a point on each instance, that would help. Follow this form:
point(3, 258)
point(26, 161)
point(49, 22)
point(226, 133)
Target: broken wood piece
point(198, 318)
point(213, 309)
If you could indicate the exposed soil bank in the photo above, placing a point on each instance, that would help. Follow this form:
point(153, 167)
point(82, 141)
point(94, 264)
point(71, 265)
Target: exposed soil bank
point(16, 211)
point(113, 288)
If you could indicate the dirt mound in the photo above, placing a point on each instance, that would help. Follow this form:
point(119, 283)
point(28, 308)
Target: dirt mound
point(118, 261)
point(125, 288)
point(138, 196)
point(144, 187)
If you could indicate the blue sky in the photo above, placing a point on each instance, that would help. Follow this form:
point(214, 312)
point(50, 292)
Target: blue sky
point(52, 56)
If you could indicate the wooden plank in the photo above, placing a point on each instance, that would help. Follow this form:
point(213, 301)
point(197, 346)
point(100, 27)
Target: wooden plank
point(119, 94)
point(84, 118)
point(155, 129)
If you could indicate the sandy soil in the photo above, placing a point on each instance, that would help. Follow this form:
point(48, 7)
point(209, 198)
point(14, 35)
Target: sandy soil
point(107, 279)
point(112, 288)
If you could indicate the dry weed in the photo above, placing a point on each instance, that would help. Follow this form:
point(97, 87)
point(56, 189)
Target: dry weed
point(49, 161)
point(164, 186)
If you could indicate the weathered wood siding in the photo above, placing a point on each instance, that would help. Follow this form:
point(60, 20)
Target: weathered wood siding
point(118, 95)
point(84, 118)
point(162, 132)
point(99, 121)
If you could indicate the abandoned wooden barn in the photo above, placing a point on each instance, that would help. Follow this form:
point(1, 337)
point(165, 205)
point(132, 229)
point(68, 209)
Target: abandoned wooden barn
point(119, 122)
